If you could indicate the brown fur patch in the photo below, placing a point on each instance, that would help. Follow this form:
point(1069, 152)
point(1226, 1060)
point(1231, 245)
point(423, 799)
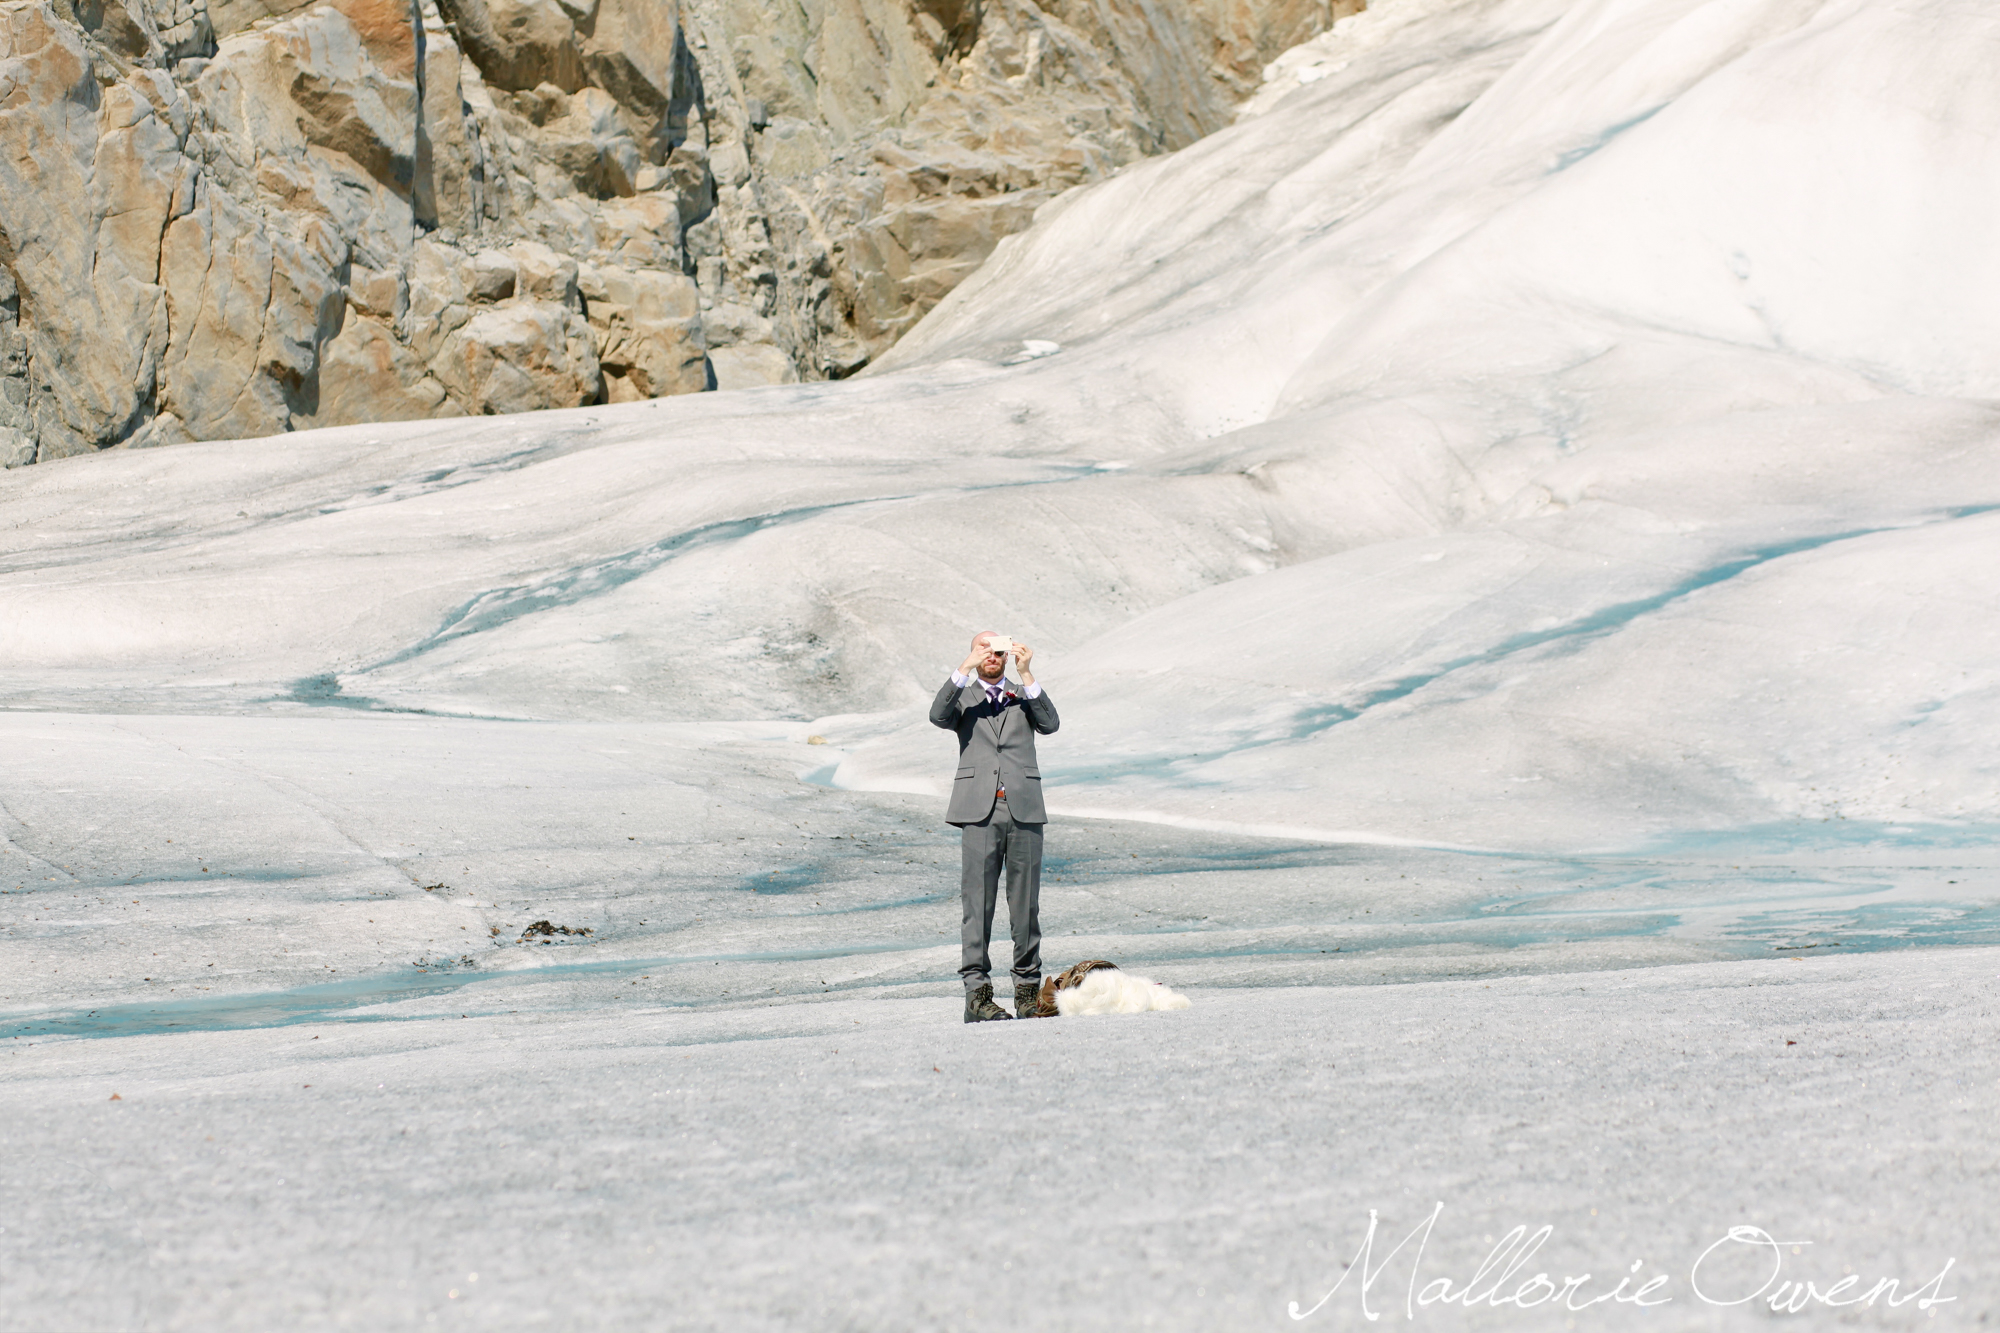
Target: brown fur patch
point(1074, 976)
point(1045, 1000)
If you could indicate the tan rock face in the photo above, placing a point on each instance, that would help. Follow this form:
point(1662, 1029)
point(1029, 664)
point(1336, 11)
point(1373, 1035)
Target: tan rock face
point(88, 177)
point(869, 155)
point(238, 217)
point(292, 229)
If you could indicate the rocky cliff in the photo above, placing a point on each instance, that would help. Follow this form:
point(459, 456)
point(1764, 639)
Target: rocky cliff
point(227, 218)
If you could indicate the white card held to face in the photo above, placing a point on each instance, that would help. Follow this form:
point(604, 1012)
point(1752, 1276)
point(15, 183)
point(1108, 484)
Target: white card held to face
point(999, 643)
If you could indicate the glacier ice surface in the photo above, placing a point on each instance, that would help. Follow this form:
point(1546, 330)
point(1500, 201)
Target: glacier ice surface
point(1516, 507)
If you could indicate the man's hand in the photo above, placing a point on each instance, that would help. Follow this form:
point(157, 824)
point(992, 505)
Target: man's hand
point(970, 666)
point(1023, 655)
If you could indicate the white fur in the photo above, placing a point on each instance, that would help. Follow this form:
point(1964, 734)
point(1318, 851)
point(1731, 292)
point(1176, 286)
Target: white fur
point(1111, 991)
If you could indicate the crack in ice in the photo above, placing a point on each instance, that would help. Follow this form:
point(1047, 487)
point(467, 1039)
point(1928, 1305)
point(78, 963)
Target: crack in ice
point(1570, 636)
point(497, 607)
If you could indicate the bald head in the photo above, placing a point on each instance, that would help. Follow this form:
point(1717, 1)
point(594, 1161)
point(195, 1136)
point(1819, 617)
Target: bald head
point(992, 665)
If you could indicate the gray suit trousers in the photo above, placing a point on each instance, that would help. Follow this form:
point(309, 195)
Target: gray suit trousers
point(988, 845)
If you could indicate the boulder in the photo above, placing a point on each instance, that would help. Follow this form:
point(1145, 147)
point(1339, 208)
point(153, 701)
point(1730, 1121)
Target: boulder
point(648, 332)
point(493, 276)
point(367, 374)
point(544, 274)
point(518, 44)
point(248, 309)
point(751, 366)
point(632, 51)
point(585, 137)
point(521, 356)
point(440, 296)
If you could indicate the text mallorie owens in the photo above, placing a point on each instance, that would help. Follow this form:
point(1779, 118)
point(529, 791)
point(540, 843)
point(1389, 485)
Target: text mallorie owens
point(1710, 1278)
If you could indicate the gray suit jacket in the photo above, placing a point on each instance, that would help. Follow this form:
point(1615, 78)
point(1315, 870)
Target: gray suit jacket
point(994, 749)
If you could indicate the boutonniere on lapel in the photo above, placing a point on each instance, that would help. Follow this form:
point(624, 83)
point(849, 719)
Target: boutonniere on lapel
point(998, 707)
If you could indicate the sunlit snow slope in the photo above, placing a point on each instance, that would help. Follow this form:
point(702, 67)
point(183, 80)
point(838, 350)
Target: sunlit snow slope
point(1558, 424)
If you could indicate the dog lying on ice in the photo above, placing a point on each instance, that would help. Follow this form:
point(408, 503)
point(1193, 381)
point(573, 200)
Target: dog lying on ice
point(1098, 987)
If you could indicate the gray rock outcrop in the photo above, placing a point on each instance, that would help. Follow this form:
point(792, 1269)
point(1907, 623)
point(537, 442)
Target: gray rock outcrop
point(227, 218)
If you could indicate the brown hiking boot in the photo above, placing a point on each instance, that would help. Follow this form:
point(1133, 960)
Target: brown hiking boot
point(979, 1006)
point(1028, 1001)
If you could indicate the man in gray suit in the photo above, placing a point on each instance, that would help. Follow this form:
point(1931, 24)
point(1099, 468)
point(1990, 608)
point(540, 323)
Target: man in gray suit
point(996, 799)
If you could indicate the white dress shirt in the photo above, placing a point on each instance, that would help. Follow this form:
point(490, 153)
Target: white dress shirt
point(960, 679)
